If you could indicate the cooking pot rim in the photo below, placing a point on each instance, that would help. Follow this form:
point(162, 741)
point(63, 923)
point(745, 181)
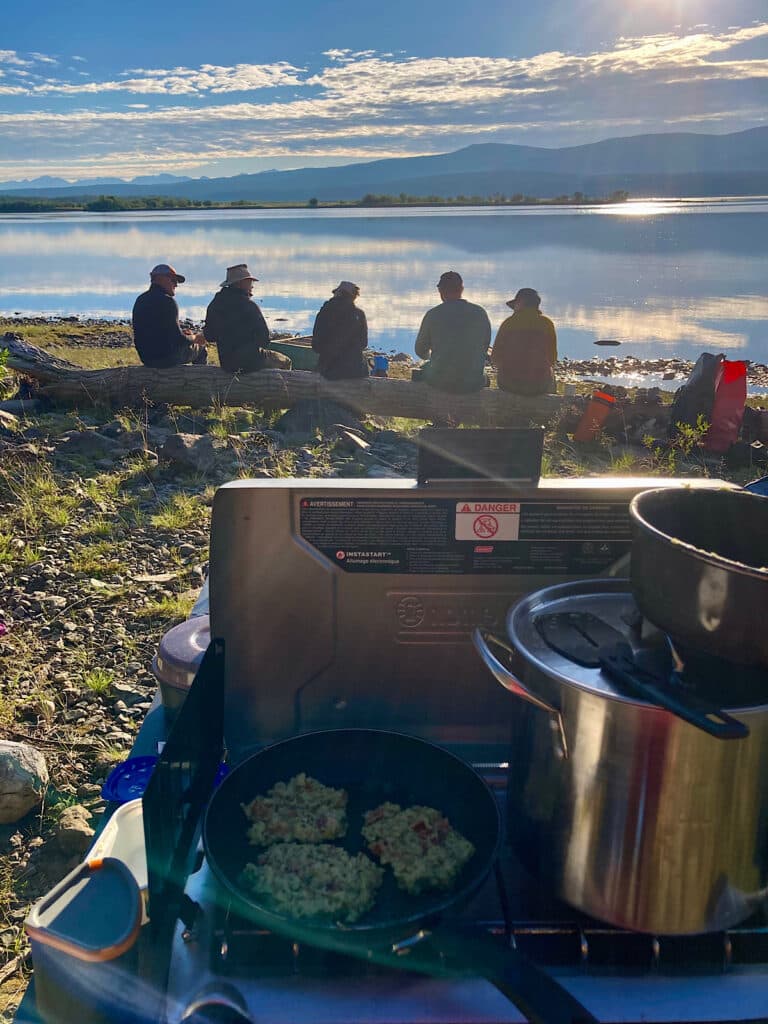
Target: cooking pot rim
point(758, 572)
point(538, 600)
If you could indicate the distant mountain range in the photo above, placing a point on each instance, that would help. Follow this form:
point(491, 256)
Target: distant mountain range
point(674, 164)
point(47, 182)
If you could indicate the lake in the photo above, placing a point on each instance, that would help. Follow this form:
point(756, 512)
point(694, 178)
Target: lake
point(665, 278)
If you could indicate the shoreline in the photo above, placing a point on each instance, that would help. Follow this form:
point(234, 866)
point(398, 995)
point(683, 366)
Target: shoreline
point(672, 371)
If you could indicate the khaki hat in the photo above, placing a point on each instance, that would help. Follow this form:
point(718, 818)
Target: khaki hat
point(347, 286)
point(166, 270)
point(237, 273)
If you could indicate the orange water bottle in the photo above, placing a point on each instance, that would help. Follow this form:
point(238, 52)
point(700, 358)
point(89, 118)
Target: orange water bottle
point(595, 415)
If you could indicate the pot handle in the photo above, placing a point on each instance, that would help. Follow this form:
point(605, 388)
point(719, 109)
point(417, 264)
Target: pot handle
point(481, 639)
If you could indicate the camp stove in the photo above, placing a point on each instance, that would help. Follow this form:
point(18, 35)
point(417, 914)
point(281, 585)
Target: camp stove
point(340, 603)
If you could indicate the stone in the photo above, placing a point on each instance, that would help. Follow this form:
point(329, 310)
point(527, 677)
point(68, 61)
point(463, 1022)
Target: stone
point(190, 450)
point(349, 441)
point(20, 406)
point(87, 443)
point(8, 421)
point(313, 414)
point(383, 472)
point(23, 780)
point(74, 833)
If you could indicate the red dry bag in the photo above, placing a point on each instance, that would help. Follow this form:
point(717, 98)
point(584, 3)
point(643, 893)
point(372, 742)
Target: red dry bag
point(728, 407)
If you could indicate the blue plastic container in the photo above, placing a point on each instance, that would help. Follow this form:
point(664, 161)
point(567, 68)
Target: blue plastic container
point(380, 366)
point(128, 780)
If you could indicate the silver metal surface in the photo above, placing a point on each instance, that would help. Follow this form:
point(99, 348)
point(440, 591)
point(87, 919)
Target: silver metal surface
point(310, 646)
point(649, 824)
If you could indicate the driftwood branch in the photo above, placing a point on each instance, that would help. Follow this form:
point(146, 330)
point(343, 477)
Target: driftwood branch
point(204, 386)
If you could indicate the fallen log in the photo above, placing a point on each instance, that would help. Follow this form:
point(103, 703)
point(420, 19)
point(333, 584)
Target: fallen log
point(204, 386)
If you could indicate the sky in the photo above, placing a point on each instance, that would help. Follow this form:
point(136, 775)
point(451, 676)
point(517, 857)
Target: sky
point(199, 88)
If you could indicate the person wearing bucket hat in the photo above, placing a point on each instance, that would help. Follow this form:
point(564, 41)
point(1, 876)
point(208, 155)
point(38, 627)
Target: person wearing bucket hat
point(340, 335)
point(157, 334)
point(237, 326)
point(525, 348)
point(454, 338)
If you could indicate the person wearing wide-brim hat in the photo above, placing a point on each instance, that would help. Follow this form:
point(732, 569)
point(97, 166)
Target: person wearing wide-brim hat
point(525, 348)
point(340, 335)
point(159, 338)
point(236, 325)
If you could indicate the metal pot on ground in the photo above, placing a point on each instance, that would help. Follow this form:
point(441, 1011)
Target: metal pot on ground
point(630, 813)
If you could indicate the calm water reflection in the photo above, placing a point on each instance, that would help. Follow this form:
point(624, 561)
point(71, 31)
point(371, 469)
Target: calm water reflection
point(671, 278)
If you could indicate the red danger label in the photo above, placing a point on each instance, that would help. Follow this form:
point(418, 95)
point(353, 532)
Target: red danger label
point(485, 526)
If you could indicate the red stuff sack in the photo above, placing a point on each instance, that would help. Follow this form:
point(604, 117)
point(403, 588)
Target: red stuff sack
point(728, 407)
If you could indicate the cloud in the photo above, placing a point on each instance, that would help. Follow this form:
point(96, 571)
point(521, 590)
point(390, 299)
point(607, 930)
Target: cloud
point(366, 104)
point(43, 58)
point(208, 78)
point(12, 58)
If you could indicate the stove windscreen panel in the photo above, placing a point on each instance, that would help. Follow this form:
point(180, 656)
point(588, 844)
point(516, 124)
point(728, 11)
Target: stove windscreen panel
point(348, 603)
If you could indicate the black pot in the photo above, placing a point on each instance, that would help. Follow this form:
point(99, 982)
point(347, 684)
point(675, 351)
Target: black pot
point(700, 569)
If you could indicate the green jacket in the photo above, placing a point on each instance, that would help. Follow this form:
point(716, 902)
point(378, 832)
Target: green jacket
point(455, 337)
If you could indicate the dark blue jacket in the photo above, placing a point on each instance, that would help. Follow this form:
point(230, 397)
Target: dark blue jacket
point(339, 336)
point(157, 336)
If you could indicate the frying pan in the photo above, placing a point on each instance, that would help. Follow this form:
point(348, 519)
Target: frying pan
point(401, 930)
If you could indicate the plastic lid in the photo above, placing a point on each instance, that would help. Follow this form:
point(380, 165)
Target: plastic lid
point(128, 780)
point(93, 914)
point(180, 652)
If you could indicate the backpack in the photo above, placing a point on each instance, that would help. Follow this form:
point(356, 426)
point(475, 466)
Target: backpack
point(697, 396)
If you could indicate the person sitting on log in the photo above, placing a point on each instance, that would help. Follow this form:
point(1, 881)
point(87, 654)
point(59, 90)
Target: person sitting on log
point(340, 335)
point(236, 325)
point(525, 349)
point(157, 335)
point(454, 337)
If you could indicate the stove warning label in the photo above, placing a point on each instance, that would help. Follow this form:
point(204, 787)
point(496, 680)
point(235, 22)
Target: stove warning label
point(441, 536)
point(487, 520)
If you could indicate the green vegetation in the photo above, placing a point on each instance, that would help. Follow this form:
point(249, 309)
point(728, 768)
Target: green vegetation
point(497, 199)
point(131, 204)
point(98, 680)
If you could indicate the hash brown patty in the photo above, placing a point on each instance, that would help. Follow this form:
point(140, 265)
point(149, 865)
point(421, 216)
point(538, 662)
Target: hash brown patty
point(301, 810)
point(303, 880)
point(424, 851)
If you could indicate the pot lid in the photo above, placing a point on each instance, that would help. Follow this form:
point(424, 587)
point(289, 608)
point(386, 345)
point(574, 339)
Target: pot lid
point(534, 630)
point(565, 630)
point(180, 652)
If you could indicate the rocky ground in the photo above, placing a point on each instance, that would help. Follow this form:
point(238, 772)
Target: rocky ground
point(82, 333)
point(103, 547)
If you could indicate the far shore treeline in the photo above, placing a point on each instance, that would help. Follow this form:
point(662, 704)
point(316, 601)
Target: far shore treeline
point(118, 204)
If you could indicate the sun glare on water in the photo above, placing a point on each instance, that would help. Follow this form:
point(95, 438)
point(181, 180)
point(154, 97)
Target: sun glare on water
point(639, 208)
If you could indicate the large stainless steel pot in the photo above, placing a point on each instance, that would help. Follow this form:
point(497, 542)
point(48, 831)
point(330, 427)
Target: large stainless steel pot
point(628, 812)
point(700, 569)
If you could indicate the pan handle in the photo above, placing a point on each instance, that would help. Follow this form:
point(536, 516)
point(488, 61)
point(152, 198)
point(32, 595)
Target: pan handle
point(534, 991)
point(481, 638)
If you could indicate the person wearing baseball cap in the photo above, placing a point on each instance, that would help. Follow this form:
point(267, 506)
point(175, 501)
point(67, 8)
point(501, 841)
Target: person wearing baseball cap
point(340, 335)
point(237, 326)
point(525, 348)
point(157, 334)
point(454, 338)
